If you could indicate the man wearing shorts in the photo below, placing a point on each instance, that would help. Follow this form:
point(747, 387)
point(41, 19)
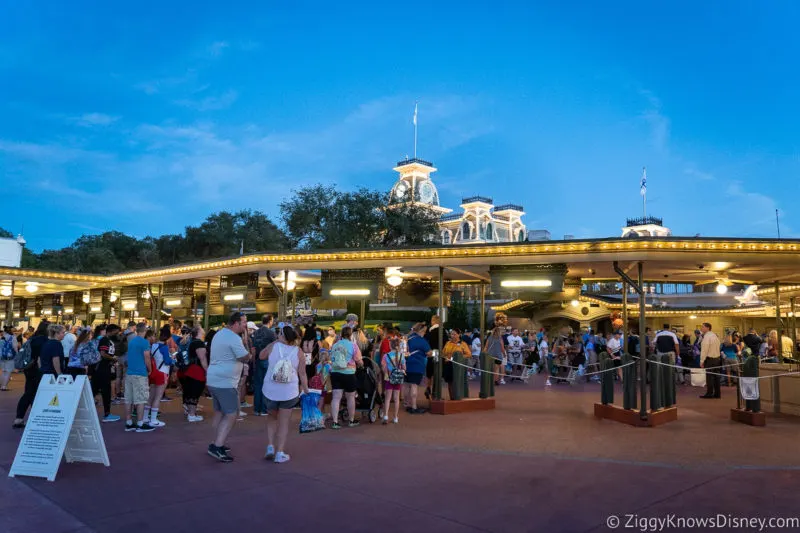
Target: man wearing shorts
point(137, 388)
point(418, 352)
point(222, 379)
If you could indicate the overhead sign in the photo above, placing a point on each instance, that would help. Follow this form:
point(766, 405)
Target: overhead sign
point(63, 423)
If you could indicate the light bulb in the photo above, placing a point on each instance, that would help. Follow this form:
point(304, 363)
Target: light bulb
point(85, 298)
point(5, 291)
point(721, 288)
point(291, 285)
point(31, 287)
point(574, 303)
point(394, 280)
point(114, 297)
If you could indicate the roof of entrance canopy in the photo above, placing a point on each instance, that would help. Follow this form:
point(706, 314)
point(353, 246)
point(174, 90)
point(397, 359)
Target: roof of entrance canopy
point(669, 259)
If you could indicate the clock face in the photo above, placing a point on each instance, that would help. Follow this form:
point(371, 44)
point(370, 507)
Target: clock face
point(426, 192)
point(400, 191)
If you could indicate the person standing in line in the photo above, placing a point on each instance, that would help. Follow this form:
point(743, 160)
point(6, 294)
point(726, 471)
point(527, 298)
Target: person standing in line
point(545, 359)
point(514, 344)
point(615, 352)
point(345, 357)
point(394, 367)
point(495, 347)
point(263, 337)
point(69, 341)
point(418, 352)
point(432, 336)
point(102, 374)
point(51, 360)
point(136, 386)
point(228, 355)
point(122, 361)
point(711, 361)
point(453, 346)
point(287, 374)
point(158, 377)
point(475, 349)
point(33, 374)
point(193, 377)
point(8, 351)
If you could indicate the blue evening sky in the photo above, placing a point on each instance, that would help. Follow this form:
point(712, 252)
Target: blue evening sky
point(145, 117)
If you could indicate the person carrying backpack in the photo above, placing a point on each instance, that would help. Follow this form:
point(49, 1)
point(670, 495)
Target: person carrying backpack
point(162, 362)
point(32, 373)
point(394, 371)
point(8, 352)
point(345, 357)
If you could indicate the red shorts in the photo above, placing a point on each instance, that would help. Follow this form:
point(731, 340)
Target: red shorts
point(158, 378)
point(388, 386)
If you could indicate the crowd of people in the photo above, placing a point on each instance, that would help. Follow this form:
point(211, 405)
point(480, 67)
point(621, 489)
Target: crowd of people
point(277, 363)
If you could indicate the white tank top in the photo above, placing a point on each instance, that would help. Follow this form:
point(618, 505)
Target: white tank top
point(280, 392)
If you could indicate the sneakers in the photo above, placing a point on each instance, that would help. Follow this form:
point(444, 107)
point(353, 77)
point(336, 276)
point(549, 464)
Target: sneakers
point(157, 423)
point(351, 424)
point(130, 426)
point(194, 418)
point(282, 457)
point(144, 428)
point(110, 418)
point(270, 455)
point(548, 384)
point(335, 425)
point(245, 405)
point(386, 420)
point(502, 382)
point(395, 421)
point(219, 453)
point(166, 399)
point(242, 413)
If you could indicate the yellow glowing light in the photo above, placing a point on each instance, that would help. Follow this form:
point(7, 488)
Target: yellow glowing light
point(173, 303)
point(519, 283)
point(95, 309)
point(114, 297)
point(31, 287)
point(68, 310)
point(721, 288)
point(394, 280)
point(233, 297)
point(86, 298)
point(5, 291)
point(692, 317)
point(350, 292)
point(574, 303)
point(129, 306)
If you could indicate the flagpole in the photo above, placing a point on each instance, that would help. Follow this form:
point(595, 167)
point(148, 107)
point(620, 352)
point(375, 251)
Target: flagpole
point(415, 130)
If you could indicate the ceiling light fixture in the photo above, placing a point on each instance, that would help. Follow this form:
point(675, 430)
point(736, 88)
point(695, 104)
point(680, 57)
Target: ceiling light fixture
point(233, 297)
point(350, 292)
point(721, 288)
point(522, 283)
point(31, 287)
point(575, 303)
point(5, 291)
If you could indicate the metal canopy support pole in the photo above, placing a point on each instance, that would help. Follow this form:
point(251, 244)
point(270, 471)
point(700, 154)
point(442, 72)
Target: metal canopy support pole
point(483, 313)
point(438, 366)
point(778, 320)
point(10, 306)
point(206, 318)
point(362, 318)
point(625, 328)
point(294, 305)
point(793, 324)
point(285, 296)
point(160, 306)
point(642, 347)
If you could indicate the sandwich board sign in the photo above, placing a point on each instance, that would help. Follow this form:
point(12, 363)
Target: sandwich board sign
point(63, 423)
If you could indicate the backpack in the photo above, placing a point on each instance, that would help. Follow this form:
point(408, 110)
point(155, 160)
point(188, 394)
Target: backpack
point(6, 349)
point(88, 353)
point(284, 372)
point(396, 376)
point(182, 361)
point(340, 355)
point(24, 358)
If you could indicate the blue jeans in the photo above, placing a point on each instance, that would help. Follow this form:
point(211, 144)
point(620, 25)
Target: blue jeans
point(259, 402)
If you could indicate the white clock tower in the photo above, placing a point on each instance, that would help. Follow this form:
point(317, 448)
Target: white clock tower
point(415, 185)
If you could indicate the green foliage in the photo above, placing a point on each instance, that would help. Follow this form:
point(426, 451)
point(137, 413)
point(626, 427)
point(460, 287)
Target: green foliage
point(321, 216)
point(457, 315)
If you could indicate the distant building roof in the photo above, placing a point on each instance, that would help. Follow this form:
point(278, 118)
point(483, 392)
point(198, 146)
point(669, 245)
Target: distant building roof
point(643, 221)
point(471, 199)
point(408, 161)
point(508, 207)
point(453, 216)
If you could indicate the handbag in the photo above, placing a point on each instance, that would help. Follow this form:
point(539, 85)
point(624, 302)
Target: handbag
point(749, 388)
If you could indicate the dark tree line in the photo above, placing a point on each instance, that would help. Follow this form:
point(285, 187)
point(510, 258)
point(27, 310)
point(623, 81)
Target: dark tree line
point(315, 217)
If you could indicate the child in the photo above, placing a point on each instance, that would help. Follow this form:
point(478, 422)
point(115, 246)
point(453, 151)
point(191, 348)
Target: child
point(322, 379)
point(394, 369)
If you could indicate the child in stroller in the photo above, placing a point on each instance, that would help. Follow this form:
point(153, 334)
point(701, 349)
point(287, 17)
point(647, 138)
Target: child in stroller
point(368, 399)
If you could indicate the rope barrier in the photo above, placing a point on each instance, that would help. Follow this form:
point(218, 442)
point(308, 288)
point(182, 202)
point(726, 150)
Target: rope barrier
point(718, 374)
point(508, 375)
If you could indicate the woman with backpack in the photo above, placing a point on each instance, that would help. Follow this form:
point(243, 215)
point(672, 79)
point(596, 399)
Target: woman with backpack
point(160, 368)
point(394, 369)
point(345, 356)
point(286, 374)
point(32, 374)
point(8, 352)
point(193, 377)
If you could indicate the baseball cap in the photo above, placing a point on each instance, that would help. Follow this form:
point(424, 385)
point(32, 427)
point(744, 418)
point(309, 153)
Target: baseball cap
point(251, 325)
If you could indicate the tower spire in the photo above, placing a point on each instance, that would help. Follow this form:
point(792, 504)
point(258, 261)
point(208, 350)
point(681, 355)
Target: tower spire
point(415, 130)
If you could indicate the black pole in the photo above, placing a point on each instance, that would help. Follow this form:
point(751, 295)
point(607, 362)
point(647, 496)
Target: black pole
point(642, 347)
point(778, 223)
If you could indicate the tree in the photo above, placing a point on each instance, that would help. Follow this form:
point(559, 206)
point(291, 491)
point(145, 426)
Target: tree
point(323, 217)
point(457, 316)
point(222, 234)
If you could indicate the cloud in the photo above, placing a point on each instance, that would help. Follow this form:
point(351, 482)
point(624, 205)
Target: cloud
point(159, 85)
point(658, 123)
point(211, 103)
point(698, 174)
point(94, 119)
point(216, 48)
point(759, 209)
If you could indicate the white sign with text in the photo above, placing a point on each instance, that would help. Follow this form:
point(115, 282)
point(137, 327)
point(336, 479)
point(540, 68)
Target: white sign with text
point(63, 423)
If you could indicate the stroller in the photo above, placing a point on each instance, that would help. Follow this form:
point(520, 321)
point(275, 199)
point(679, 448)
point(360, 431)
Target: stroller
point(566, 364)
point(368, 401)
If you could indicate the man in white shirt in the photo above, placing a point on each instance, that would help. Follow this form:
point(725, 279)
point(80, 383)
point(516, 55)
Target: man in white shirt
point(514, 350)
point(545, 360)
point(711, 360)
point(614, 347)
point(228, 354)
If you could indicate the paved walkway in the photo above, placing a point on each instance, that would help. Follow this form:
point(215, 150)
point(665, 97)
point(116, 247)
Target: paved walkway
point(539, 462)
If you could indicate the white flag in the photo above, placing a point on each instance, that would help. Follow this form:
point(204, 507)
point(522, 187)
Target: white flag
point(643, 189)
point(415, 114)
